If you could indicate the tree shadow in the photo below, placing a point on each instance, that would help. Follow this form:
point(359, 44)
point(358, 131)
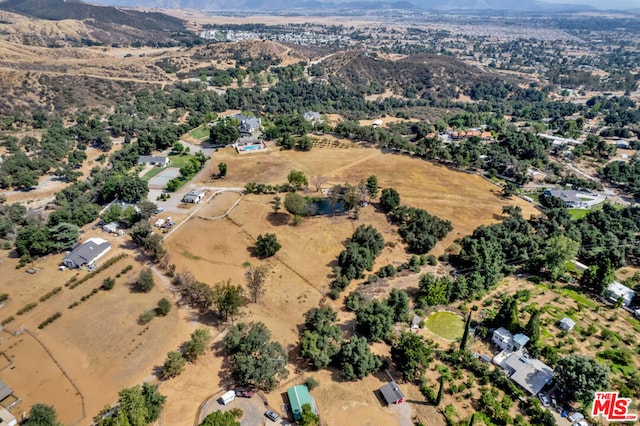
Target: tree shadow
point(278, 219)
point(225, 374)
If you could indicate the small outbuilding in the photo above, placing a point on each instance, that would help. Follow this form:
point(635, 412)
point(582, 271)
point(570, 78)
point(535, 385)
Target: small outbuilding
point(193, 197)
point(6, 418)
point(415, 323)
point(110, 227)
point(392, 393)
point(566, 324)
point(298, 396)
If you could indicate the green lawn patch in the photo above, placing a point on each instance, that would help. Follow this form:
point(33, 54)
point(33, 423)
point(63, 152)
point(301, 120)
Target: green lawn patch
point(179, 160)
point(446, 324)
point(578, 213)
point(201, 133)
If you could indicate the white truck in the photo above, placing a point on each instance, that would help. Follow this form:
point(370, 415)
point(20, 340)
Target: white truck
point(227, 397)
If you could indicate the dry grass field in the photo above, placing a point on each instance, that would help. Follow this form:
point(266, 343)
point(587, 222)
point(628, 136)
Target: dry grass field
point(80, 361)
point(216, 250)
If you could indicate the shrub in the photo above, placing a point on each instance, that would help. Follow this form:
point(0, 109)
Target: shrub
point(26, 308)
point(145, 281)
point(163, 308)
point(311, 383)
point(431, 260)
point(7, 320)
point(108, 283)
point(3, 297)
point(146, 317)
point(334, 293)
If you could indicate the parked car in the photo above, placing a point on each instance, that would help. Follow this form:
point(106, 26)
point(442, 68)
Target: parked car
point(244, 393)
point(92, 267)
point(575, 416)
point(544, 400)
point(272, 415)
point(159, 210)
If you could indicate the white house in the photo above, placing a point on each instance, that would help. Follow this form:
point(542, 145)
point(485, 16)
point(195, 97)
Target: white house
point(502, 338)
point(158, 160)
point(518, 342)
point(193, 197)
point(617, 291)
point(86, 253)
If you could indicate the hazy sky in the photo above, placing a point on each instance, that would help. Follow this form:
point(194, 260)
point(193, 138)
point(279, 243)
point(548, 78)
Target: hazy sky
point(602, 4)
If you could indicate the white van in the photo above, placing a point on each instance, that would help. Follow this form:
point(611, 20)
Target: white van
point(227, 397)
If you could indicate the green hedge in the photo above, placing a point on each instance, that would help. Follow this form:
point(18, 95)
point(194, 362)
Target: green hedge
point(26, 308)
point(51, 293)
point(49, 320)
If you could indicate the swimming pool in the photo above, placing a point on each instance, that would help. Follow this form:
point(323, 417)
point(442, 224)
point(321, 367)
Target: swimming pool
point(251, 147)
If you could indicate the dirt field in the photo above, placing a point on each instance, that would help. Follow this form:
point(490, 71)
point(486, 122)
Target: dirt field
point(81, 360)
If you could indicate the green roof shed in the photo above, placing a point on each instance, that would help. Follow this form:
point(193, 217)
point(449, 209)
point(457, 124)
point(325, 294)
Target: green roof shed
point(298, 396)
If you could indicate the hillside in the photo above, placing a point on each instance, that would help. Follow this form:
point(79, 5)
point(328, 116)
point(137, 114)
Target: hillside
point(440, 75)
point(84, 24)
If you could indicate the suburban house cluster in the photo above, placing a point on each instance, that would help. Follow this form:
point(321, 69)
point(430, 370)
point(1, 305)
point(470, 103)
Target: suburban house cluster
point(528, 373)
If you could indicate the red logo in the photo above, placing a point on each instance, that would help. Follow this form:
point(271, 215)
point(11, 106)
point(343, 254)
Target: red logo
point(613, 408)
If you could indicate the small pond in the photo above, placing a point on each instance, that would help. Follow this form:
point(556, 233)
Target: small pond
point(445, 324)
point(322, 206)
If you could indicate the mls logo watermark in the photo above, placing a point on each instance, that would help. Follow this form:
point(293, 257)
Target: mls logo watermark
point(612, 407)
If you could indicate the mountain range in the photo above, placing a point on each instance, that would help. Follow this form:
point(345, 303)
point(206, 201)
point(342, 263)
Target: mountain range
point(437, 5)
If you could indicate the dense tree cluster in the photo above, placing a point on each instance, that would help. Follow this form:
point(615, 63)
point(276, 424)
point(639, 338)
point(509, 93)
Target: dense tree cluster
point(320, 341)
point(256, 360)
point(420, 230)
point(137, 406)
point(356, 258)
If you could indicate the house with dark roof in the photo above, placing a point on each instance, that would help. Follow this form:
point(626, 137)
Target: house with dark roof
point(86, 253)
point(159, 160)
point(570, 197)
point(392, 393)
point(248, 125)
